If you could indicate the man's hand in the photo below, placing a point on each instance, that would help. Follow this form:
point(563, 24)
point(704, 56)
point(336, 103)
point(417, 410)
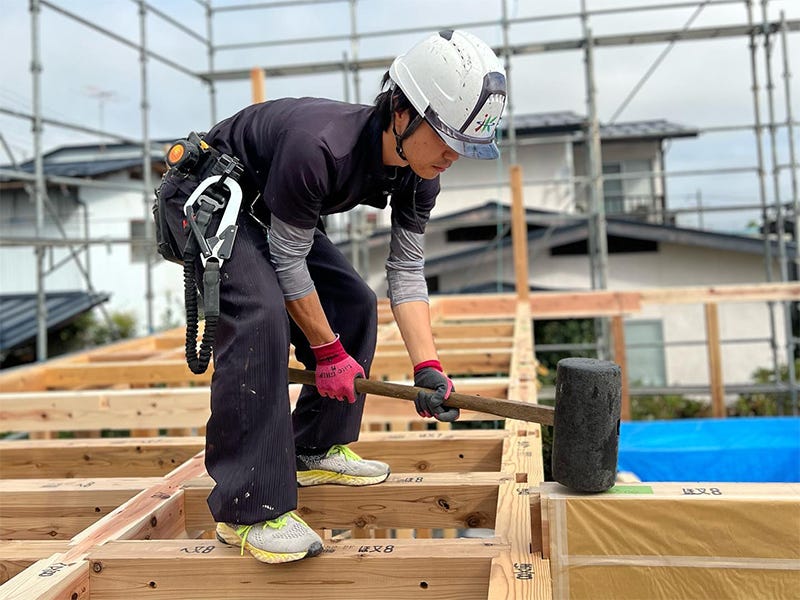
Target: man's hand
point(336, 371)
point(429, 374)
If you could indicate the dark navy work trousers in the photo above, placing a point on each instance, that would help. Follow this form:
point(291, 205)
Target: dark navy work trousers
point(252, 434)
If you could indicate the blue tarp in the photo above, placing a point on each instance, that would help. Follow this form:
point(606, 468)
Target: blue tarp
point(745, 449)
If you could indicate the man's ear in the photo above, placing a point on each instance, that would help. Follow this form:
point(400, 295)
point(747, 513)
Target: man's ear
point(400, 120)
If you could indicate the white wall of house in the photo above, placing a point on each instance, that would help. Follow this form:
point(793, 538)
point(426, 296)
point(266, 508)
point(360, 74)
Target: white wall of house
point(546, 171)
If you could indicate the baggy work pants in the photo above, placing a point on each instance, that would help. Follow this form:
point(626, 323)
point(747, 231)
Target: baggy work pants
point(251, 434)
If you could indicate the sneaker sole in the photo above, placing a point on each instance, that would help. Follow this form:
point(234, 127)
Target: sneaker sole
point(228, 536)
point(309, 478)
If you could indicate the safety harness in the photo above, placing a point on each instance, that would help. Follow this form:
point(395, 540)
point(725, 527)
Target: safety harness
point(218, 190)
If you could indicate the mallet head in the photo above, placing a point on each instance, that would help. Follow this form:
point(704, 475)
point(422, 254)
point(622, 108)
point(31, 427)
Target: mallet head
point(586, 424)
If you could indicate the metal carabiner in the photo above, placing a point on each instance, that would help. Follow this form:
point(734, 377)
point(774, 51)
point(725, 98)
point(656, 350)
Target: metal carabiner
point(220, 245)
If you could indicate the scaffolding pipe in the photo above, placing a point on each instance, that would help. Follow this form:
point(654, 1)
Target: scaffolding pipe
point(70, 126)
point(598, 242)
point(467, 25)
point(212, 88)
point(780, 226)
point(346, 76)
point(118, 38)
point(354, 51)
point(762, 189)
point(38, 185)
point(793, 395)
point(512, 133)
point(626, 39)
point(147, 170)
point(787, 87)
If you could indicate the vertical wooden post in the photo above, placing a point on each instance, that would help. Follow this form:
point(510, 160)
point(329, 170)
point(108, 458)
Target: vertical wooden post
point(519, 235)
point(714, 360)
point(257, 85)
point(620, 357)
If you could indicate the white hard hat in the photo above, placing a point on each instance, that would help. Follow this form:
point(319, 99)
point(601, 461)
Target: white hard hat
point(458, 85)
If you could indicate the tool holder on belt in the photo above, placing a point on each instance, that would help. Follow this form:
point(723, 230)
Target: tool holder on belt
point(218, 190)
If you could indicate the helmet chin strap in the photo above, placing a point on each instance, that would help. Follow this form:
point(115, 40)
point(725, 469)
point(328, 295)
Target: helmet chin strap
point(399, 138)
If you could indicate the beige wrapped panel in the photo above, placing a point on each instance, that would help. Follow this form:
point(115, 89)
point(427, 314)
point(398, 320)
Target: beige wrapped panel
point(672, 540)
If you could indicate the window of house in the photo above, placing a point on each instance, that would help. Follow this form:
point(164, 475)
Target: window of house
point(140, 247)
point(644, 349)
point(629, 194)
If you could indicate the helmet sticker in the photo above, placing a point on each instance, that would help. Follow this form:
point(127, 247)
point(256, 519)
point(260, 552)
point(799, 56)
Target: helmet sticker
point(487, 124)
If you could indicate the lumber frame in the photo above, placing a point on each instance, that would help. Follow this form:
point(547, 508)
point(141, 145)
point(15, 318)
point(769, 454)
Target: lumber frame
point(443, 479)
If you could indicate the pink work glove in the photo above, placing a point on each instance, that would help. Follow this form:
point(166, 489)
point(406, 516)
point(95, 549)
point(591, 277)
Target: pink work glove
point(336, 371)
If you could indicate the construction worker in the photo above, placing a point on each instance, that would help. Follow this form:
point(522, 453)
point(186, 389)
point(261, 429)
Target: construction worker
point(286, 282)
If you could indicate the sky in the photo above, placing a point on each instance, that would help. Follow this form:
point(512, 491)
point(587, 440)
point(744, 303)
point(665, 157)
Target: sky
point(93, 81)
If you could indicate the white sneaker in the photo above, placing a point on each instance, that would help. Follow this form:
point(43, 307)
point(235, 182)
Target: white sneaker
point(340, 465)
point(280, 540)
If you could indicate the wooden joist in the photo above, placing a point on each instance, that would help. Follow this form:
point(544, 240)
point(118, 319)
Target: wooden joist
point(406, 452)
point(96, 458)
point(58, 509)
point(405, 500)
point(377, 568)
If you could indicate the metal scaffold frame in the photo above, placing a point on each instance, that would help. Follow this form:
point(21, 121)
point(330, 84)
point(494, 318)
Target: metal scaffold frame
point(771, 33)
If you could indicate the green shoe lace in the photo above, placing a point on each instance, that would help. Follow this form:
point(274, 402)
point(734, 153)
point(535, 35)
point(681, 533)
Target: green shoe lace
point(278, 523)
point(344, 451)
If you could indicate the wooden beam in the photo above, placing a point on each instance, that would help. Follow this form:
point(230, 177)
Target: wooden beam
point(721, 293)
point(520, 573)
point(108, 409)
point(405, 500)
point(389, 569)
point(714, 359)
point(454, 343)
point(105, 374)
point(257, 86)
point(621, 358)
point(95, 458)
point(448, 451)
point(58, 509)
point(409, 451)
point(519, 234)
point(488, 329)
point(544, 305)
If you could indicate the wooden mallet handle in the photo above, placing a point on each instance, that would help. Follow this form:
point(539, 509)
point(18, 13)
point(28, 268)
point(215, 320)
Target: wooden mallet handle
point(510, 409)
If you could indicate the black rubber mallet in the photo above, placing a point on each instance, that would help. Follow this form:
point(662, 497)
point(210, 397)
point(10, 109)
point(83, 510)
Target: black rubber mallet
point(585, 418)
